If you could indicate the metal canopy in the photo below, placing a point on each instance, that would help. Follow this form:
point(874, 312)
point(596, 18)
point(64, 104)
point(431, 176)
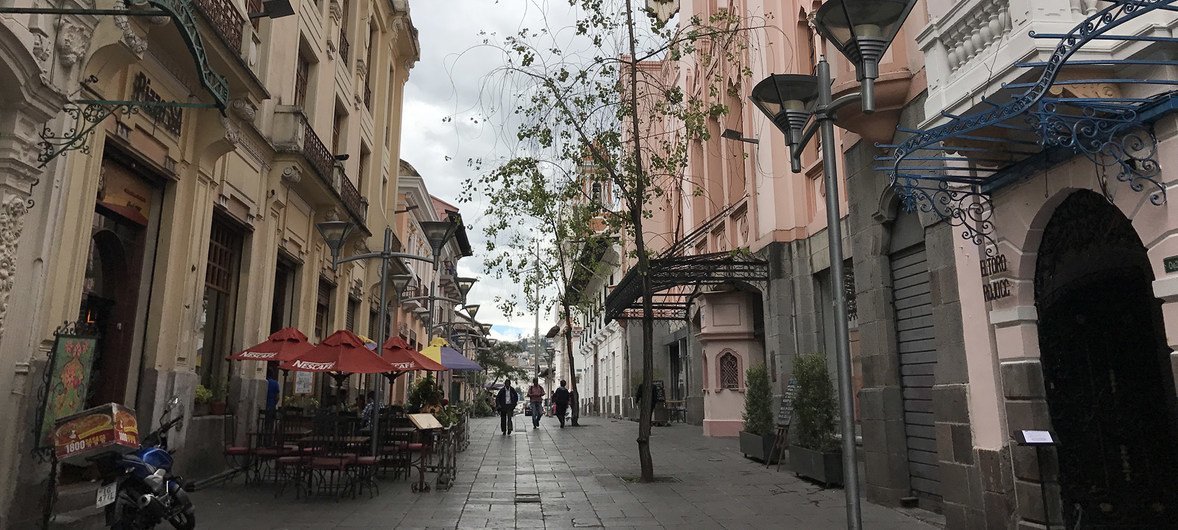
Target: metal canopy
point(676, 280)
point(89, 113)
point(1103, 109)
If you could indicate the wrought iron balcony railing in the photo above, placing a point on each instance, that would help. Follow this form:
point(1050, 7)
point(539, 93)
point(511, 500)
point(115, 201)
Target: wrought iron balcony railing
point(353, 201)
point(344, 47)
point(317, 153)
point(294, 134)
point(225, 19)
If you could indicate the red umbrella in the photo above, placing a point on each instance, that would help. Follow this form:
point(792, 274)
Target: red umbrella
point(342, 352)
point(405, 359)
point(284, 345)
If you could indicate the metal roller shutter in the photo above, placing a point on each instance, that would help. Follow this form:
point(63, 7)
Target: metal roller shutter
point(918, 361)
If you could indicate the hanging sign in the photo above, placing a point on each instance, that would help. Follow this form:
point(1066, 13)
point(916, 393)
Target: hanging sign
point(69, 379)
point(995, 288)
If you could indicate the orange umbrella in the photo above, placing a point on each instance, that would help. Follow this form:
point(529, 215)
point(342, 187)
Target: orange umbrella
point(283, 345)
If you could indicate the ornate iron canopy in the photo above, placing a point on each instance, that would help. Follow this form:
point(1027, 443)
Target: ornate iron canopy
point(1101, 108)
point(676, 280)
point(87, 114)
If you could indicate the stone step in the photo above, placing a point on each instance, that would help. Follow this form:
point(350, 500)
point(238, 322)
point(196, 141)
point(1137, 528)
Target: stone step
point(74, 508)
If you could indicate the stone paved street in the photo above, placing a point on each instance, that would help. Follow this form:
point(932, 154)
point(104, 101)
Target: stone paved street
point(580, 477)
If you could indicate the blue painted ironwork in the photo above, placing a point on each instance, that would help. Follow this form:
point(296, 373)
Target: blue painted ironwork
point(950, 170)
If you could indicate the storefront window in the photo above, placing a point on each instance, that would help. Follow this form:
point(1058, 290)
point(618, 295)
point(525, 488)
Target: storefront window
point(220, 301)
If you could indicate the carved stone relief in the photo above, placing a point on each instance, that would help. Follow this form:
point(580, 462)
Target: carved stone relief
point(72, 42)
point(12, 218)
point(292, 174)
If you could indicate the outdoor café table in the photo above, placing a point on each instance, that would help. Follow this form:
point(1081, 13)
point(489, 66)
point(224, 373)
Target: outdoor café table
point(427, 424)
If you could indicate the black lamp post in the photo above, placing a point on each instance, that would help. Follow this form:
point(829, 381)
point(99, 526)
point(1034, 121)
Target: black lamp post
point(862, 31)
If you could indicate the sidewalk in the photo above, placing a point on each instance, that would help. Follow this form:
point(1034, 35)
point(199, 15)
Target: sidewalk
point(580, 475)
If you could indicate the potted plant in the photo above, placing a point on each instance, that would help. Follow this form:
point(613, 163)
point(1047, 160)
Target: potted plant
point(201, 400)
point(217, 404)
point(756, 440)
point(816, 454)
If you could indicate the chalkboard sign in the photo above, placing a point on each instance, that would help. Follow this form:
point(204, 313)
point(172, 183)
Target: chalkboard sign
point(786, 413)
point(660, 393)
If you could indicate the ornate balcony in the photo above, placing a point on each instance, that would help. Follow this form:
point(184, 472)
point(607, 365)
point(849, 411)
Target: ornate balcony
point(294, 135)
point(225, 19)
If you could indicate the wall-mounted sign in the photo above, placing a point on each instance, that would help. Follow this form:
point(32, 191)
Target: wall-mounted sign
point(996, 290)
point(999, 288)
point(1171, 264)
point(303, 382)
point(993, 265)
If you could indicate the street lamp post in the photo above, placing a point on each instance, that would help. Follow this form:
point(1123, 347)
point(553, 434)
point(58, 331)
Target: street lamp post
point(335, 233)
point(862, 30)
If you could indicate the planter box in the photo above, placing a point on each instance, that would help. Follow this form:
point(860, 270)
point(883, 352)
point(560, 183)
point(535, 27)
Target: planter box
point(823, 467)
point(756, 446)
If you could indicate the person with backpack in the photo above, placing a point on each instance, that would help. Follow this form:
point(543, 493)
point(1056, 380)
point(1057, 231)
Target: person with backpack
point(536, 401)
point(505, 401)
point(561, 398)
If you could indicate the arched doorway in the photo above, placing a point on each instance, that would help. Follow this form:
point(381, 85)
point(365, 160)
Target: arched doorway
point(1109, 388)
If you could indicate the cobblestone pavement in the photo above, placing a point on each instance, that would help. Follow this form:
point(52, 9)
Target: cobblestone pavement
point(580, 475)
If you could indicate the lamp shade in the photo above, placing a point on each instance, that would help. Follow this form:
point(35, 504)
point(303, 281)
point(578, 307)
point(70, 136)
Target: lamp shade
point(472, 310)
point(862, 30)
point(335, 233)
point(400, 282)
point(437, 233)
point(487, 330)
point(464, 285)
point(787, 99)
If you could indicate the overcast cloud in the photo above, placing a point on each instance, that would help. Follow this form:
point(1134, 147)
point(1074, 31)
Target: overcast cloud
point(439, 137)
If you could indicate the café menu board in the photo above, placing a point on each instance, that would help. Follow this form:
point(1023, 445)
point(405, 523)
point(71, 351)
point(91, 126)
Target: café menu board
point(786, 412)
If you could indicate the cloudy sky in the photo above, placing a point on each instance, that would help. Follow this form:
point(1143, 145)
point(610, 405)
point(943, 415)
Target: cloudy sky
point(445, 91)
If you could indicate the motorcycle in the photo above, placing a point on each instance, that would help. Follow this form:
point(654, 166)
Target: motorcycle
point(138, 489)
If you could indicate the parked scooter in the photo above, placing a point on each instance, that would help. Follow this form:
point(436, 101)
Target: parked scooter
point(138, 489)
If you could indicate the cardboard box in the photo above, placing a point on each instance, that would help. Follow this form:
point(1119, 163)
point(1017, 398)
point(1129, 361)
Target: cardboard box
point(110, 427)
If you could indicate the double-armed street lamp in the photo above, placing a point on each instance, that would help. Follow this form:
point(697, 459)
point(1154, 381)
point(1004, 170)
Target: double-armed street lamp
point(802, 105)
point(437, 233)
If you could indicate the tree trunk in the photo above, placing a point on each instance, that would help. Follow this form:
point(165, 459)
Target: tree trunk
point(636, 208)
point(568, 346)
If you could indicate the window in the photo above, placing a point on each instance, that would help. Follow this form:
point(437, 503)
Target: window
point(302, 76)
point(220, 300)
point(323, 310)
point(729, 371)
point(337, 124)
point(596, 194)
point(353, 308)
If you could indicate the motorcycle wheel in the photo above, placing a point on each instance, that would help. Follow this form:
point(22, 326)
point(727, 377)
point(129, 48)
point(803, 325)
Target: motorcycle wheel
point(184, 521)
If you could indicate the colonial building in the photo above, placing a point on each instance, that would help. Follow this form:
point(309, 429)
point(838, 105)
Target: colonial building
point(1048, 231)
point(176, 212)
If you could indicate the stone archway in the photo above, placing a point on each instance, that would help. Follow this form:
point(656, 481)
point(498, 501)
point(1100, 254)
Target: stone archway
point(1105, 368)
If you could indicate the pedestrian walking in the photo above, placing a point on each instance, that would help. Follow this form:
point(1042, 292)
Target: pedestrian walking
point(561, 398)
point(505, 401)
point(536, 401)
